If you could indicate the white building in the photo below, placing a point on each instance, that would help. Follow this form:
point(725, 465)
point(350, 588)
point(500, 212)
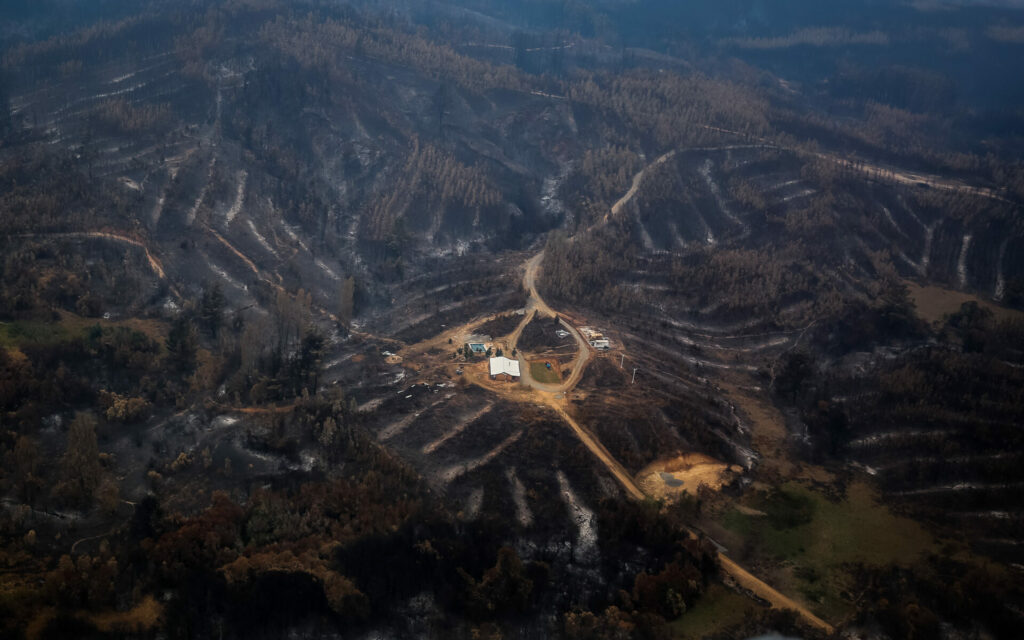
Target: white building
point(591, 333)
point(502, 366)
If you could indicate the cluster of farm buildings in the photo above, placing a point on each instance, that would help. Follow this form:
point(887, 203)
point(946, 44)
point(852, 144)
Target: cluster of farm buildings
point(508, 369)
point(596, 338)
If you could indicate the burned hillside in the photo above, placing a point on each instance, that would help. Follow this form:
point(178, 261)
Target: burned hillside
point(465, 320)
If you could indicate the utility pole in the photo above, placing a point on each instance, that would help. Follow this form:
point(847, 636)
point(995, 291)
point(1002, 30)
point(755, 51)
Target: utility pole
point(622, 360)
point(634, 376)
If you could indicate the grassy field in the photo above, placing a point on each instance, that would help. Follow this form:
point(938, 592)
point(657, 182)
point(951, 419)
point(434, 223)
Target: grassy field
point(22, 332)
point(815, 537)
point(16, 334)
point(139, 619)
point(541, 373)
point(934, 303)
point(718, 609)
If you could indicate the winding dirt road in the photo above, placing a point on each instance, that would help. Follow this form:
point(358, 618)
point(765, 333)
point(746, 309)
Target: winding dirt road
point(547, 396)
point(154, 263)
point(151, 259)
point(890, 173)
point(635, 186)
point(584, 354)
point(552, 395)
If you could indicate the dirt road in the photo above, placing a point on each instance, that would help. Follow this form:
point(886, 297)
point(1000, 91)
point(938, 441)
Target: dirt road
point(892, 174)
point(537, 305)
point(151, 259)
point(764, 591)
point(530, 283)
point(552, 396)
point(602, 454)
point(548, 395)
point(637, 179)
point(154, 263)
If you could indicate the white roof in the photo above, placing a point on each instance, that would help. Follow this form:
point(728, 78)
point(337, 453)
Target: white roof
point(502, 364)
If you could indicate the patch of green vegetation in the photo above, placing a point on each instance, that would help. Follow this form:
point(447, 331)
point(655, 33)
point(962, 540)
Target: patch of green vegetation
point(801, 521)
point(788, 509)
point(716, 610)
point(818, 536)
point(540, 373)
point(934, 303)
point(45, 332)
point(21, 332)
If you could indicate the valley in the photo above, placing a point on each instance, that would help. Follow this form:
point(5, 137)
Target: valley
point(473, 320)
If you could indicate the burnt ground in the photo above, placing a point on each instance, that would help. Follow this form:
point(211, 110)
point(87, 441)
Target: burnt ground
point(539, 335)
point(653, 418)
point(717, 283)
point(500, 326)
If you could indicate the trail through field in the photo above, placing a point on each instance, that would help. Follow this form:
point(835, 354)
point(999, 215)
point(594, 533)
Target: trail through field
point(586, 524)
point(892, 221)
point(158, 208)
point(926, 255)
point(473, 503)
point(705, 172)
point(236, 206)
point(799, 194)
point(1000, 290)
point(259, 238)
point(395, 428)
point(457, 429)
point(191, 216)
point(241, 256)
point(523, 514)
point(453, 472)
point(961, 264)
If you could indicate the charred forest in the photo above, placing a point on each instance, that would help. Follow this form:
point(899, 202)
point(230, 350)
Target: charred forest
point(628, 319)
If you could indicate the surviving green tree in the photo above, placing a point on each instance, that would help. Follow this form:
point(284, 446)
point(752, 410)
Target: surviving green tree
point(182, 343)
point(346, 300)
point(211, 309)
point(80, 464)
point(305, 366)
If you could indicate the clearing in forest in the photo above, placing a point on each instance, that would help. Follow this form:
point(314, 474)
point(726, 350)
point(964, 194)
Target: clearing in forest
point(812, 538)
point(685, 473)
point(717, 610)
point(934, 303)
